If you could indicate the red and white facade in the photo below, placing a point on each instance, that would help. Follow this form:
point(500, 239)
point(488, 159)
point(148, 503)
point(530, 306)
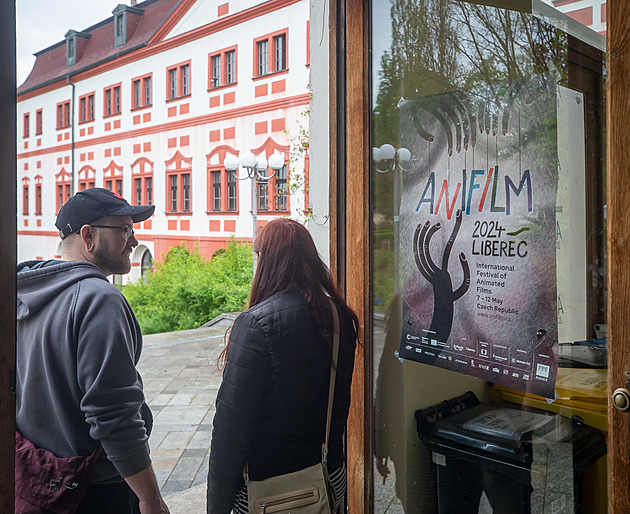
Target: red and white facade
point(591, 13)
point(149, 102)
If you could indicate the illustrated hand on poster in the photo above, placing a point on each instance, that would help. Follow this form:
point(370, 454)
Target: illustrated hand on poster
point(443, 294)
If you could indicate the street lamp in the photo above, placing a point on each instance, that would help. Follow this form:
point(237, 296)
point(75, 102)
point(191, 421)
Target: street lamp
point(256, 168)
point(387, 158)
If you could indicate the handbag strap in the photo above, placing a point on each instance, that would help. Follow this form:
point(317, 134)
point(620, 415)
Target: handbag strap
point(333, 377)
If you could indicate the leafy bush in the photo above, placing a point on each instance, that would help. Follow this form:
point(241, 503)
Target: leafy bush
point(185, 290)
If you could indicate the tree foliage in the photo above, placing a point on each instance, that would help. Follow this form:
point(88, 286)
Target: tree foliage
point(185, 291)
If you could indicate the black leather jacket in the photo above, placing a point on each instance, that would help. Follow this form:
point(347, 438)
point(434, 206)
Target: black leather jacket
point(271, 406)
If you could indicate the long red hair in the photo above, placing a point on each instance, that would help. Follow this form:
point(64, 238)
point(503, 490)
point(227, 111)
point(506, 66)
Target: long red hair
point(288, 262)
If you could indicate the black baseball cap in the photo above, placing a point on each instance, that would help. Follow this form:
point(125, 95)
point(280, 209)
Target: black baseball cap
point(92, 204)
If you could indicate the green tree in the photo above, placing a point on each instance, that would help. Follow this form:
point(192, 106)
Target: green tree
point(185, 291)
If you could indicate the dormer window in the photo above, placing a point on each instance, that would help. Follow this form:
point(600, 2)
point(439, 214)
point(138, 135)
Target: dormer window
point(119, 29)
point(72, 44)
point(71, 50)
point(75, 44)
point(126, 20)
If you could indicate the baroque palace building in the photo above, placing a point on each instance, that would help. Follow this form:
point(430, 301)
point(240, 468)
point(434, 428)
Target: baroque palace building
point(148, 103)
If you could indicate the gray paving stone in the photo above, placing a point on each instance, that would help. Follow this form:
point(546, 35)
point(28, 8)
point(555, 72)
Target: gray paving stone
point(175, 440)
point(194, 453)
point(186, 469)
point(173, 486)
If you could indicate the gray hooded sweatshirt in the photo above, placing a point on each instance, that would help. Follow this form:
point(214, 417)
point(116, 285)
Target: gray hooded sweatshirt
point(78, 343)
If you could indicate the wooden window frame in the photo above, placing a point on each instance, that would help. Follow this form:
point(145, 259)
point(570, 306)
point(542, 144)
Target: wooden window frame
point(142, 81)
point(39, 121)
point(109, 94)
point(62, 112)
point(179, 69)
point(86, 114)
point(27, 125)
point(271, 51)
point(222, 55)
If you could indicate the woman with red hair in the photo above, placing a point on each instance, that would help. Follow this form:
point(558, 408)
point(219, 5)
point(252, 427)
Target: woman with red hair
point(272, 404)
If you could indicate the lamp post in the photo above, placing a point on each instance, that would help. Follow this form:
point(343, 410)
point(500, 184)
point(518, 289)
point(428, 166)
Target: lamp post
point(387, 158)
point(256, 168)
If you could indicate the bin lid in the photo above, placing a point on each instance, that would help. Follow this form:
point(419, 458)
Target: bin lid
point(493, 431)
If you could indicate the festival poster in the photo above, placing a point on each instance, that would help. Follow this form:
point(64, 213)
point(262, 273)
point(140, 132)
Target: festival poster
point(478, 233)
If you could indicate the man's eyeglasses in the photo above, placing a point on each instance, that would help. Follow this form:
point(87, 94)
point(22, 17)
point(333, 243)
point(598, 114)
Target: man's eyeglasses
point(127, 230)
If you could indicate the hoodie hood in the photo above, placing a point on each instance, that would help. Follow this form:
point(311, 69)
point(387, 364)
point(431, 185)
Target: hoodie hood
point(38, 282)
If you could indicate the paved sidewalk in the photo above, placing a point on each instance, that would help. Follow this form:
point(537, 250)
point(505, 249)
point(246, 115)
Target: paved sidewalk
point(181, 380)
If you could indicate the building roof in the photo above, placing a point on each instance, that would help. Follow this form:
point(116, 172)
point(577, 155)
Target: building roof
point(50, 63)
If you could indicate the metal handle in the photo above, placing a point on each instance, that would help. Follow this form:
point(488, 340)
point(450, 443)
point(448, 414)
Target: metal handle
point(621, 399)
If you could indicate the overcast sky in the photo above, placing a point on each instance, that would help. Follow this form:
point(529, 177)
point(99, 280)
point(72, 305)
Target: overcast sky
point(42, 23)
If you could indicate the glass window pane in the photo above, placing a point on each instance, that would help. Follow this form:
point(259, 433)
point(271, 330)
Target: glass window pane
point(173, 180)
point(263, 56)
point(185, 80)
point(488, 133)
point(280, 52)
point(216, 71)
point(231, 184)
point(149, 185)
point(186, 191)
point(147, 91)
point(137, 101)
point(230, 67)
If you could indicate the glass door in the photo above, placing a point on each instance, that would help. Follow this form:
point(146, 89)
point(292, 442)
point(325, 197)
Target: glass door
point(489, 259)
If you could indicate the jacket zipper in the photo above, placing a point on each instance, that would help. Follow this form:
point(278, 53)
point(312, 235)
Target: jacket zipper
point(263, 506)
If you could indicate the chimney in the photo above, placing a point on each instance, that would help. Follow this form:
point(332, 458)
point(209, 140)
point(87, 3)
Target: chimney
point(133, 2)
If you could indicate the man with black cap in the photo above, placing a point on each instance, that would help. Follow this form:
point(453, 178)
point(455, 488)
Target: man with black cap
point(78, 343)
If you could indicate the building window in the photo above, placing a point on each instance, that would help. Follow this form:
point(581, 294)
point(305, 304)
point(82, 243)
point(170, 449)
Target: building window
point(216, 190)
point(85, 184)
point(112, 100)
point(281, 189)
point(113, 178)
point(87, 177)
point(263, 199)
point(38, 195)
point(270, 53)
point(141, 92)
point(27, 125)
point(178, 80)
point(71, 50)
point(146, 263)
point(38, 122)
point(142, 173)
point(86, 108)
point(25, 183)
point(223, 68)
point(179, 186)
point(120, 25)
point(64, 187)
point(63, 115)
point(114, 185)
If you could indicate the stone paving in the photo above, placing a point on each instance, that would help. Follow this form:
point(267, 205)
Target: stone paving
point(181, 380)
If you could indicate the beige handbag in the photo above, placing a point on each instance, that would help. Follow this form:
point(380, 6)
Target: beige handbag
point(307, 491)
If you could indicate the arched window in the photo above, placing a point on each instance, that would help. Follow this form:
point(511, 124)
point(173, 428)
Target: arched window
point(146, 263)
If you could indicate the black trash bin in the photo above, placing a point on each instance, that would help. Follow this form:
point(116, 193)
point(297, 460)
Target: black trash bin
point(485, 447)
